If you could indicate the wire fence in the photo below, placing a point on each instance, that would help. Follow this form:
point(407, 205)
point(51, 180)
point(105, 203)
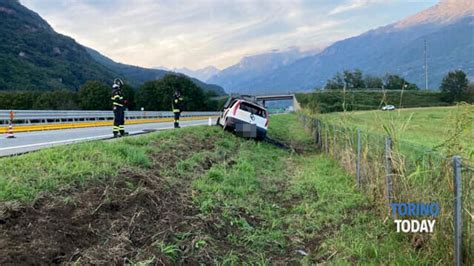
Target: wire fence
point(389, 171)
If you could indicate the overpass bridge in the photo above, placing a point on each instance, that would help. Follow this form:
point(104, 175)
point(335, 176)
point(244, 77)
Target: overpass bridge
point(279, 97)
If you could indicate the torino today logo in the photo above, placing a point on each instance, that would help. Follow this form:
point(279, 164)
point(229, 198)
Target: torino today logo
point(412, 210)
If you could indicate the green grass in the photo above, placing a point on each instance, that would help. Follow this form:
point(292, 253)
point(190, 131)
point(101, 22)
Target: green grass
point(287, 127)
point(342, 218)
point(23, 177)
point(303, 202)
point(331, 101)
point(267, 204)
point(430, 127)
point(420, 175)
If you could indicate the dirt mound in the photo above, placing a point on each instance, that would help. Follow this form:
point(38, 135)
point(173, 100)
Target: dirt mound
point(128, 218)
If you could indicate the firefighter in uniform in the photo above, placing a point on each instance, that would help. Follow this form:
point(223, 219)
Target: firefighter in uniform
point(119, 109)
point(177, 105)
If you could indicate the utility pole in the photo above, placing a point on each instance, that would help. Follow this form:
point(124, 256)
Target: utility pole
point(426, 68)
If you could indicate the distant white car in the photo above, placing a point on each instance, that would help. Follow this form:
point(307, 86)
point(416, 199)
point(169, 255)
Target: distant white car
point(388, 108)
point(244, 116)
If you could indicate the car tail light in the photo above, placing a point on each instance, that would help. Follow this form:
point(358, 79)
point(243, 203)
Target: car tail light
point(236, 107)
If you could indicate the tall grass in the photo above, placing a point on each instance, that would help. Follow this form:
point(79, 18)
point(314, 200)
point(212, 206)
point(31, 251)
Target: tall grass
point(419, 173)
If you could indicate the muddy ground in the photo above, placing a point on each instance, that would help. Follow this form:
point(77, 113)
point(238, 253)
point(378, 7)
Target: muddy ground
point(121, 220)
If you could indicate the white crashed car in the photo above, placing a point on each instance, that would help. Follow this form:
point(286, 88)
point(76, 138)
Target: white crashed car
point(244, 116)
point(388, 108)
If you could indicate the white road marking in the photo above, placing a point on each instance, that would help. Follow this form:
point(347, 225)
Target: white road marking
point(54, 142)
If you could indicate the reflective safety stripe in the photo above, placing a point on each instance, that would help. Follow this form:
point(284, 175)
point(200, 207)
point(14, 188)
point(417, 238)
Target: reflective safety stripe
point(175, 110)
point(116, 129)
point(118, 104)
point(121, 127)
point(117, 97)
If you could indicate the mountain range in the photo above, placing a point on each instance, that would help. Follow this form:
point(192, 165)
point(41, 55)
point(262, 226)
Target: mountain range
point(398, 48)
point(203, 74)
point(239, 77)
point(138, 75)
point(35, 57)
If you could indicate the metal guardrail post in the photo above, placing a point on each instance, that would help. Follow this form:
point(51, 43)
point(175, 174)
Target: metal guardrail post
point(457, 211)
point(388, 168)
point(358, 158)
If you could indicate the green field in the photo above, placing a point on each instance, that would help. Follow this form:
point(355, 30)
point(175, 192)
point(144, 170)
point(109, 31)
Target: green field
point(440, 127)
point(332, 101)
point(194, 195)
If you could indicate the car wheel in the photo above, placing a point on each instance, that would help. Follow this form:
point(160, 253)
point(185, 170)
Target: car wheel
point(261, 137)
point(225, 126)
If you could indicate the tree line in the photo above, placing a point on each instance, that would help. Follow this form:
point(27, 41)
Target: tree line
point(354, 79)
point(455, 86)
point(95, 95)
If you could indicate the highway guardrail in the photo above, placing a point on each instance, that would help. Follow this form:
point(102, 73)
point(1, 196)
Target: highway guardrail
point(34, 117)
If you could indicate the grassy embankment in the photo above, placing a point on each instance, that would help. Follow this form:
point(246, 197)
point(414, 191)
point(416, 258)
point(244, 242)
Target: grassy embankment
point(193, 195)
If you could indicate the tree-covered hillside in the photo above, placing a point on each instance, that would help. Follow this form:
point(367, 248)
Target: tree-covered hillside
point(136, 76)
point(35, 57)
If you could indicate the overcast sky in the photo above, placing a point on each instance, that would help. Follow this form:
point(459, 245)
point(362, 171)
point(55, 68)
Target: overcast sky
point(198, 33)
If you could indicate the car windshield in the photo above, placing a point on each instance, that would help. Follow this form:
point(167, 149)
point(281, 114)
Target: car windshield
point(253, 109)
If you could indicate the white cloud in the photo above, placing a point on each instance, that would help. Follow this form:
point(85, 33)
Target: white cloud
point(200, 32)
point(353, 5)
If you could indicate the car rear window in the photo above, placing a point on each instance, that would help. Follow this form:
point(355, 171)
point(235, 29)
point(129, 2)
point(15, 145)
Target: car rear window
point(253, 109)
point(229, 102)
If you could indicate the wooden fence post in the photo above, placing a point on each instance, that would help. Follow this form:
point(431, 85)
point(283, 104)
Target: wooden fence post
point(358, 158)
point(388, 168)
point(457, 211)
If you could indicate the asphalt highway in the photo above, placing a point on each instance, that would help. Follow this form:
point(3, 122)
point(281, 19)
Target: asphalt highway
point(31, 141)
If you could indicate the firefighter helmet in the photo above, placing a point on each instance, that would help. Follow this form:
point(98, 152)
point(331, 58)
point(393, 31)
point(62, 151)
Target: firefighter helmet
point(118, 83)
